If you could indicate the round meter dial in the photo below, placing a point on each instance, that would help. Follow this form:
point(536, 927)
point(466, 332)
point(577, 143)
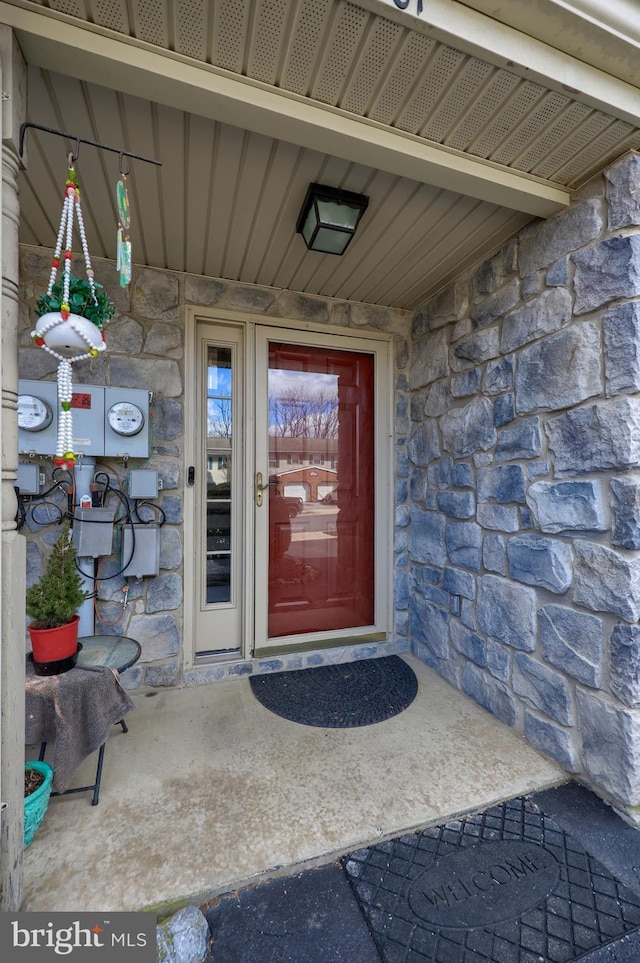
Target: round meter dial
point(34, 414)
point(125, 418)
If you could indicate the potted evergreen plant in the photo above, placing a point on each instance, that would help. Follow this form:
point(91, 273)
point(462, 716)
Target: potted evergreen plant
point(52, 604)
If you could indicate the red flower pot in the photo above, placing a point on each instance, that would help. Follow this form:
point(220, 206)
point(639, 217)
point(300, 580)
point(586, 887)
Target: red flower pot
point(50, 645)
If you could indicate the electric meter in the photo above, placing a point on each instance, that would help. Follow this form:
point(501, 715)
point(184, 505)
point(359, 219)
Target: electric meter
point(125, 418)
point(34, 414)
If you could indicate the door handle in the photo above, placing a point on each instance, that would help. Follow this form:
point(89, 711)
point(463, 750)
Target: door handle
point(260, 488)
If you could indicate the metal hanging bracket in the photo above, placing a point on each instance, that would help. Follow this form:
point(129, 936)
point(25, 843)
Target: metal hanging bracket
point(73, 155)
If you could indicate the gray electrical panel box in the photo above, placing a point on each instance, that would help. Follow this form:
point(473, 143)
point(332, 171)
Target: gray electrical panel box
point(126, 426)
point(106, 421)
point(146, 555)
point(143, 483)
point(37, 417)
point(28, 480)
point(93, 532)
point(87, 406)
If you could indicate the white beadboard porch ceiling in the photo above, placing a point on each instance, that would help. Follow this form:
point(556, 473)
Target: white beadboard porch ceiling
point(226, 200)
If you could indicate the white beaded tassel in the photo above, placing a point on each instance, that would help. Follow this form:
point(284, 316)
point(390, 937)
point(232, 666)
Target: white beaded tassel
point(65, 419)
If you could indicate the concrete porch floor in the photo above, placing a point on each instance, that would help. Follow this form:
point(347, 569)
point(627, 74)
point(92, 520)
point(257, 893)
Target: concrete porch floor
point(209, 790)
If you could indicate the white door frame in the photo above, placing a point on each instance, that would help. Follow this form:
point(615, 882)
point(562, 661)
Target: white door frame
point(351, 339)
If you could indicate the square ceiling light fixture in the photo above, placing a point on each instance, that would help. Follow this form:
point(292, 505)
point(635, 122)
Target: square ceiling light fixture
point(329, 218)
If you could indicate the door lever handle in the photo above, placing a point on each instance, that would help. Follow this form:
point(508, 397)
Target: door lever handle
point(260, 488)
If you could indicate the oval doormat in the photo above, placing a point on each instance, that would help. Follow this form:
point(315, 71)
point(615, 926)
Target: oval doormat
point(339, 696)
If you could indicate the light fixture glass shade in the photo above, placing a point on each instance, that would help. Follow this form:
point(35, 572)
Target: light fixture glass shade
point(329, 218)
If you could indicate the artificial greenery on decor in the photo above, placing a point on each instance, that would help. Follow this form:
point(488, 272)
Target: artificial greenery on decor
point(81, 301)
point(57, 596)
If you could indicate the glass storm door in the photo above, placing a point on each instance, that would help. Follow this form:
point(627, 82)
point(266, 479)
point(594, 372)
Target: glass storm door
point(289, 487)
point(315, 501)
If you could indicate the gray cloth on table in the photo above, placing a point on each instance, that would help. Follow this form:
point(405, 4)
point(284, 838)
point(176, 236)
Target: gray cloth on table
point(77, 709)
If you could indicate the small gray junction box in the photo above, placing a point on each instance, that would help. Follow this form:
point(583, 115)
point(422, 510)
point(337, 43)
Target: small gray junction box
point(146, 554)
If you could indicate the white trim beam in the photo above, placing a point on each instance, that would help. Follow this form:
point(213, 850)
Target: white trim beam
point(89, 53)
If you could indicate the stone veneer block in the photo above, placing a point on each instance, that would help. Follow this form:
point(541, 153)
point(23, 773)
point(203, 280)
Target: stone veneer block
point(625, 506)
point(157, 374)
point(507, 612)
point(458, 582)
point(498, 375)
point(610, 746)
point(606, 581)
point(457, 504)
point(426, 537)
point(479, 347)
point(622, 348)
point(424, 444)
point(440, 474)
point(503, 484)
point(623, 192)
point(498, 518)
point(466, 384)
point(493, 307)
point(429, 359)
point(542, 688)
point(565, 232)
point(504, 409)
point(605, 271)
point(499, 657)
point(429, 626)
point(544, 315)
point(447, 306)
point(624, 649)
point(468, 429)
point(541, 562)
point(468, 643)
point(157, 634)
point(570, 506)
point(561, 370)
point(489, 693)
point(552, 741)
point(438, 399)
point(203, 291)
point(156, 296)
point(494, 554)
point(602, 436)
point(305, 307)
point(464, 544)
point(524, 440)
point(573, 641)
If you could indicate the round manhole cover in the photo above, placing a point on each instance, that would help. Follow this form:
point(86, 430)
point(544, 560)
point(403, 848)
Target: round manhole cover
point(483, 885)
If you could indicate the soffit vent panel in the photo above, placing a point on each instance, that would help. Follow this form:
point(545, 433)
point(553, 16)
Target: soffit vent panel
point(339, 54)
point(305, 43)
point(191, 29)
point(399, 77)
point(150, 22)
point(231, 22)
point(266, 41)
point(110, 13)
point(468, 126)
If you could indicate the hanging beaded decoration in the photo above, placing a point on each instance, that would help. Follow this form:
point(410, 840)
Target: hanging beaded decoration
point(123, 262)
point(86, 331)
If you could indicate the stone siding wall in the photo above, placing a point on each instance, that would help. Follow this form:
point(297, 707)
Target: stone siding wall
point(145, 342)
point(518, 529)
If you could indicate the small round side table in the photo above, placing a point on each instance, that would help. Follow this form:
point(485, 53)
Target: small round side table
point(114, 651)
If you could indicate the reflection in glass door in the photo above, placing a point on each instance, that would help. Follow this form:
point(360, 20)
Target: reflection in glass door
point(218, 620)
point(218, 473)
point(321, 489)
